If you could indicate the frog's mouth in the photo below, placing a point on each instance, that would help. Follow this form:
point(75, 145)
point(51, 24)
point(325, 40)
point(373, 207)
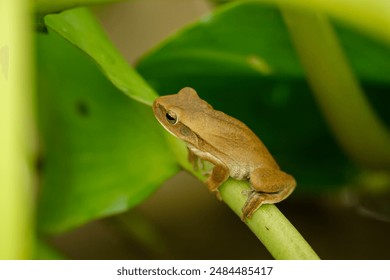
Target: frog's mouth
point(166, 128)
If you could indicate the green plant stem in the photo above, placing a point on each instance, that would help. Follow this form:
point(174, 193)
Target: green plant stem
point(16, 130)
point(272, 228)
point(359, 131)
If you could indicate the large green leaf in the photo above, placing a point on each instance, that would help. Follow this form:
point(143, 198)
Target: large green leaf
point(80, 27)
point(241, 60)
point(102, 151)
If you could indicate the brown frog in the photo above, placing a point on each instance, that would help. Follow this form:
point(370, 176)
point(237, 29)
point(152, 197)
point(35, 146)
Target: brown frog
point(228, 144)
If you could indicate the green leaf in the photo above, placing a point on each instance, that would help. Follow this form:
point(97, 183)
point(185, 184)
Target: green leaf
point(80, 27)
point(103, 152)
point(50, 6)
point(240, 59)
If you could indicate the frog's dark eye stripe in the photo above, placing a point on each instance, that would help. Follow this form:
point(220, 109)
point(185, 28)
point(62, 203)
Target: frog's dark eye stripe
point(171, 117)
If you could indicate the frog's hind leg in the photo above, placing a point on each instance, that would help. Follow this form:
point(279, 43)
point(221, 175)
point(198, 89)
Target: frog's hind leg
point(254, 201)
point(268, 186)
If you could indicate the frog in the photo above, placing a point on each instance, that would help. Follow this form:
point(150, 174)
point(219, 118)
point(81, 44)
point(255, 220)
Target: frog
point(232, 148)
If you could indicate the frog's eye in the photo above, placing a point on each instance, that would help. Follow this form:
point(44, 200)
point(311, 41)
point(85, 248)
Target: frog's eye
point(171, 117)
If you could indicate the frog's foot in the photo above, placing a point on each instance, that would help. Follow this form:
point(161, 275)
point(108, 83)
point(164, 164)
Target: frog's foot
point(216, 192)
point(256, 199)
point(218, 195)
point(218, 175)
point(253, 202)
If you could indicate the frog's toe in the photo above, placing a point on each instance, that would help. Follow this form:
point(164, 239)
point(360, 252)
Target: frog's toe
point(218, 195)
point(254, 201)
point(247, 192)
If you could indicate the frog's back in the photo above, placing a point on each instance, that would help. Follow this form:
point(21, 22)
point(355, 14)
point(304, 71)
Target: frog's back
point(240, 144)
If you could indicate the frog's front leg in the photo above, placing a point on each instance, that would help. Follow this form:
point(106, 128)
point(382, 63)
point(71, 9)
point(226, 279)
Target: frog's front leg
point(194, 160)
point(269, 186)
point(198, 164)
point(218, 175)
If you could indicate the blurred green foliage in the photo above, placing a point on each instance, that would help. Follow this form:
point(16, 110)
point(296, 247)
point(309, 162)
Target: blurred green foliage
point(104, 153)
point(101, 149)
